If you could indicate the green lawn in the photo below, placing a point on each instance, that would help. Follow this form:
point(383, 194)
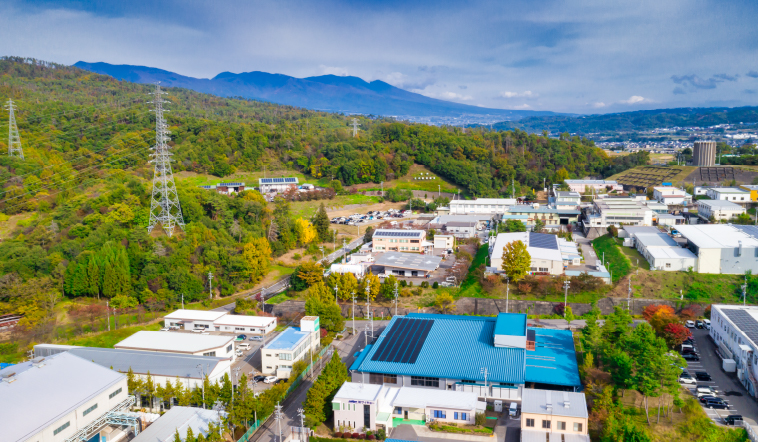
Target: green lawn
point(306, 209)
point(471, 287)
point(109, 339)
point(615, 261)
point(635, 257)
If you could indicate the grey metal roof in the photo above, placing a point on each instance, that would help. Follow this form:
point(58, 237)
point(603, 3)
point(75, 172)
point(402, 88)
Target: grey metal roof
point(179, 419)
point(720, 204)
point(657, 239)
point(40, 396)
point(157, 363)
point(174, 341)
point(744, 321)
point(412, 261)
point(562, 403)
point(462, 224)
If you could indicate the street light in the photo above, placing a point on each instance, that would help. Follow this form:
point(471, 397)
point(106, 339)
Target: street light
point(566, 285)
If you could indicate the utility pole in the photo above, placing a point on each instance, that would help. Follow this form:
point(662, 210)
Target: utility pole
point(182, 301)
point(279, 416)
point(354, 305)
point(566, 285)
point(396, 293)
point(210, 287)
point(507, 292)
point(336, 289)
point(202, 379)
point(629, 296)
point(322, 253)
point(485, 372)
point(368, 307)
point(256, 411)
point(236, 379)
point(14, 140)
point(744, 292)
point(355, 127)
point(108, 313)
point(439, 191)
point(164, 206)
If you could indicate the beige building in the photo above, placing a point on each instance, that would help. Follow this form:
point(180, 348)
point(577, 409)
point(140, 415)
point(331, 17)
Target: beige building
point(553, 415)
point(719, 209)
point(398, 240)
point(444, 241)
point(543, 248)
point(290, 346)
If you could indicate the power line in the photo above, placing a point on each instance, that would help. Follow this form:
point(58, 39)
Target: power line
point(14, 141)
point(40, 116)
point(164, 206)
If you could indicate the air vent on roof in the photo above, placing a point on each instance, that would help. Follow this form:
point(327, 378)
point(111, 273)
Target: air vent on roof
point(566, 402)
point(548, 401)
point(38, 362)
point(8, 378)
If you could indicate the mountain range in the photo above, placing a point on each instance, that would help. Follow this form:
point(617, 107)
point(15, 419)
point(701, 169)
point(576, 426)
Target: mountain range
point(350, 95)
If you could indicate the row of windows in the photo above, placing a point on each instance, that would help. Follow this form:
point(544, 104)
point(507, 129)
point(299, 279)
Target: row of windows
point(560, 425)
point(115, 393)
point(89, 410)
point(422, 381)
point(210, 353)
point(409, 248)
point(61, 428)
point(379, 378)
point(229, 348)
point(540, 269)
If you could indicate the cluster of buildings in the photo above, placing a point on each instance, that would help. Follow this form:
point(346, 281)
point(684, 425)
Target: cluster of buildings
point(447, 368)
point(734, 329)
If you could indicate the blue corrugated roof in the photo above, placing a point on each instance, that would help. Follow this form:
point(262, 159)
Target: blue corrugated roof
point(361, 357)
point(288, 339)
point(554, 359)
point(511, 324)
point(457, 347)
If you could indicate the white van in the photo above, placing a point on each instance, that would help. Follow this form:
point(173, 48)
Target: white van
point(513, 410)
point(244, 346)
point(707, 324)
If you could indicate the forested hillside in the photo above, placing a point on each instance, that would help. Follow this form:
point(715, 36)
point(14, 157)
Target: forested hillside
point(79, 201)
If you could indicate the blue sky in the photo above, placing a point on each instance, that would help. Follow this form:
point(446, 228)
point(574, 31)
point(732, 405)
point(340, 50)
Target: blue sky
point(588, 56)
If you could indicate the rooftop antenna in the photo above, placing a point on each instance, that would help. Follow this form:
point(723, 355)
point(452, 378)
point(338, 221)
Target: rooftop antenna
point(355, 127)
point(14, 140)
point(164, 207)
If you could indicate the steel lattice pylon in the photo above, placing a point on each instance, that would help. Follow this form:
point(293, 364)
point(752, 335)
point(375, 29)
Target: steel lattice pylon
point(164, 207)
point(14, 140)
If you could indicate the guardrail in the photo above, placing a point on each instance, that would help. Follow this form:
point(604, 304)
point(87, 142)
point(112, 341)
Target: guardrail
point(751, 434)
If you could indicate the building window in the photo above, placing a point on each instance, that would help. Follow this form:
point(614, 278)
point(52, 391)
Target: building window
point(89, 410)
point(240, 328)
point(561, 425)
point(440, 414)
point(668, 265)
point(455, 415)
point(376, 378)
point(210, 353)
point(577, 426)
point(530, 423)
point(421, 381)
point(544, 269)
point(390, 379)
point(464, 416)
point(335, 406)
point(229, 348)
point(546, 424)
point(398, 410)
point(115, 393)
point(61, 428)
point(285, 356)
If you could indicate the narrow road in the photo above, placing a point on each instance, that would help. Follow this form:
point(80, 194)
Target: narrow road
point(590, 258)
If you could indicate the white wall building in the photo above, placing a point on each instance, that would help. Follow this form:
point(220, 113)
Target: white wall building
point(733, 329)
point(50, 399)
point(598, 185)
point(179, 419)
point(663, 253)
point(619, 211)
point(444, 241)
point(192, 319)
point(267, 185)
point(723, 248)
point(219, 321)
point(462, 229)
point(185, 343)
point(671, 195)
point(290, 346)
point(548, 415)
point(481, 206)
point(719, 209)
point(398, 240)
point(733, 194)
point(543, 248)
point(566, 200)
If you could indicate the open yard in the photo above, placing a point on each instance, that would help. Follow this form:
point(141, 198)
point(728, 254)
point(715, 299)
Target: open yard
point(647, 176)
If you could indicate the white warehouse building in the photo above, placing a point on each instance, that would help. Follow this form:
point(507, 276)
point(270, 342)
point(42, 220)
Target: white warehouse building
point(52, 399)
point(481, 206)
point(185, 343)
point(719, 209)
point(734, 329)
point(722, 248)
point(219, 321)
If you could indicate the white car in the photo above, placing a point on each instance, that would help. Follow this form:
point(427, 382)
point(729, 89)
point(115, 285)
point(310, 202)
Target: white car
point(197, 330)
point(381, 275)
point(689, 324)
point(165, 329)
point(446, 284)
point(688, 380)
point(270, 379)
point(707, 324)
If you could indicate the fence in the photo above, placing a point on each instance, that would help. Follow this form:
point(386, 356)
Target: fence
point(298, 380)
point(750, 431)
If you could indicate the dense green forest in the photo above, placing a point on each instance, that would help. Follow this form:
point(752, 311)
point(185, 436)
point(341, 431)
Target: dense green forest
point(634, 121)
point(80, 200)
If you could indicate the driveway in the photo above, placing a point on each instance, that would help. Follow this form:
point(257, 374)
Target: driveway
point(590, 258)
point(729, 387)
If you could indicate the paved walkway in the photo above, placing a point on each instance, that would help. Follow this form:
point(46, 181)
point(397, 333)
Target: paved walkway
point(590, 258)
point(423, 434)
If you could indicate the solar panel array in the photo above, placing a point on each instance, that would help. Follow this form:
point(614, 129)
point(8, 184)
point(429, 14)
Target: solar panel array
point(744, 321)
point(232, 184)
point(395, 233)
point(404, 341)
point(278, 180)
point(750, 230)
point(543, 241)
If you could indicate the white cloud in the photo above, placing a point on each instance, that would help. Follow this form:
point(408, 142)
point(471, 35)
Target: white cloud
point(521, 107)
point(333, 70)
point(598, 105)
point(525, 94)
point(445, 95)
point(635, 99)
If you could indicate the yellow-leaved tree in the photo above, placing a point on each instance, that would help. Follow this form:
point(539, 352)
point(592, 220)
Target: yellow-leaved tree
point(306, 233)
point(372, 282)
point(516, 260)
point(257, 255)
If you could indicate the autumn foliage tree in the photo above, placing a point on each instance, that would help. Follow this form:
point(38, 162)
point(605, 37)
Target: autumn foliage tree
point(516, 260)
point(675, 333)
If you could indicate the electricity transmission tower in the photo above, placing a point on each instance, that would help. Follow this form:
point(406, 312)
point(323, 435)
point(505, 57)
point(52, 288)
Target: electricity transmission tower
point(164, 207)
point(355, 127)
point(14, 141)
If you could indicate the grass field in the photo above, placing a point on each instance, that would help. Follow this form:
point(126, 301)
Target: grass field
point(647, 176)
point(615, 261)
point(249, 178)
point(306, 209)
point(111, 338)
point(409, 183)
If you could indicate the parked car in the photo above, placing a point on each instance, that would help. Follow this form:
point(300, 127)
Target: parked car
point(702, 376)
point(269, 379)
point(689, 324)
point(704, 399)
point(513, 410)
point(710, 388)
point(259, 378)
point(733, 419)
point(241, 337)
point(198, 330)
point(446, 284)
point(707, 324)
point(256, 338)
point(687, 380)
point(718, 404)
point(691, 356)
point(243, 346)
point(165, 329)
point(699, 324)
point(381, 275)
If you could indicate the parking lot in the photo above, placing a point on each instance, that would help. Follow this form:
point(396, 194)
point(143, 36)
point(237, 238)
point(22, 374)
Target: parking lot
point(728, 386)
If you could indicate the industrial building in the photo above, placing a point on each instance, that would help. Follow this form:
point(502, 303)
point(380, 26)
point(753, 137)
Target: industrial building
point(718, 209)
point(617, 212)
point(450, 352)
point(219, 321)
point(736, 195)
point(544, 249)
point(399, 240)
point(480, 206)
point(370, 407)
point(62, 397)
point(566, 200)
point(179, 420)
point(704, 153)
point(671, 195)
point(290, 346)
point(753, 189)
point(444, 242)
point(723, 248)
point(554, 416)
point(552, 218)
point(266, 185)
point(184, 343)
point(663, 253)
point(187, 369)
point(581, 186)
point(734, 329)
point(462, 229)
point(407, 264)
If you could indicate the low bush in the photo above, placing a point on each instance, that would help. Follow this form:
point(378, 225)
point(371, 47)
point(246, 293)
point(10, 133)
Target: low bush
point(337, 434)
point(436, 285)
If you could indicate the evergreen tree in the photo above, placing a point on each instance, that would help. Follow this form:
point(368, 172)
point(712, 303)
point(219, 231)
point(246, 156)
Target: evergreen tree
point(110, 282)
point(321, 222)
point(93, 277)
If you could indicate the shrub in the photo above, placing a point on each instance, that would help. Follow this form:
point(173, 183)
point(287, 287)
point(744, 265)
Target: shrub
point(362, 436)
point(296, 256)
point(425, 284)
point(381, 434)
point(338, 434)
point(356, 435)
point(436, 285)
point(371, 437)
point(347, 435)
point(480, 419)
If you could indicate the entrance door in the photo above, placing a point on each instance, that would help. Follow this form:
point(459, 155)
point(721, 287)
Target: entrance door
point(405, 414)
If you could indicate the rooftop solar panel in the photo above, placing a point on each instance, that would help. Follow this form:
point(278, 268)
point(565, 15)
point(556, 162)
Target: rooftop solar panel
point(416, 349)
point(394, 233)
point(744, 321)
point(543, 241)
point(277, 180)
point(404, 341)
point(407, 340)
point(382, 352)
point(232, 184)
